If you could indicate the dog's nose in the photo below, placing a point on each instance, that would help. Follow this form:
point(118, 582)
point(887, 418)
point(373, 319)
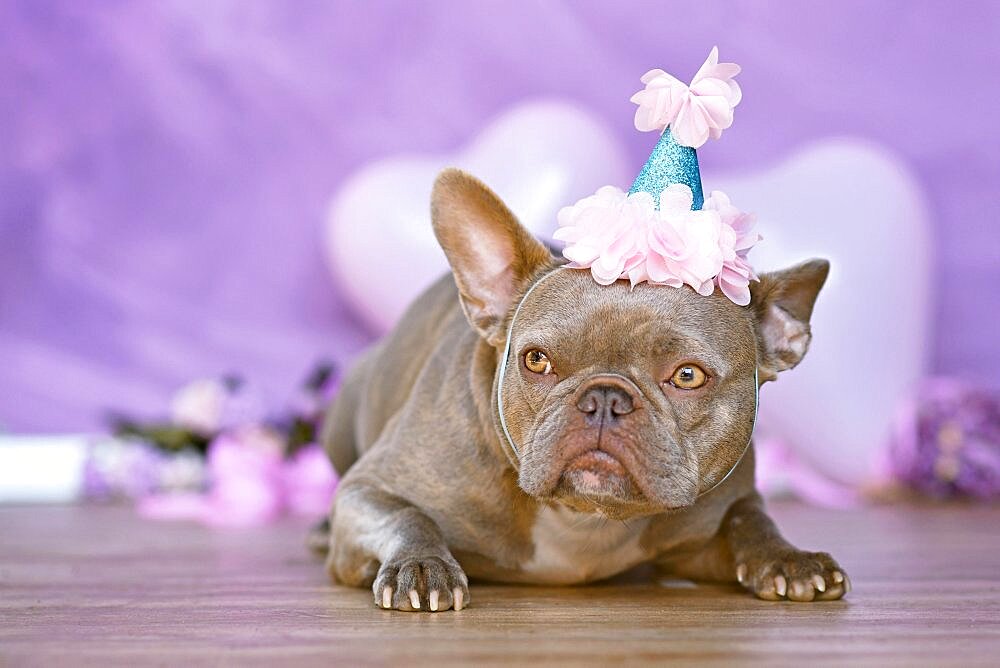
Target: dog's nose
point(604, 403)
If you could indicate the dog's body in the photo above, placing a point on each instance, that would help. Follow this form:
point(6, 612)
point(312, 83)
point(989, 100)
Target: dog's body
point(607, 465)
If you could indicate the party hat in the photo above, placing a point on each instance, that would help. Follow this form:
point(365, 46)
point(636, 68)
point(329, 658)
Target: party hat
point(664, 230)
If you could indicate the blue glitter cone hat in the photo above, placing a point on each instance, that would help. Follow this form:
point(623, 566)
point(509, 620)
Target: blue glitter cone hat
point(665, 231)
point(670, 163)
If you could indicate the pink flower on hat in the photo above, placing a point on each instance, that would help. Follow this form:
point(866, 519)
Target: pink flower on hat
point(684, 244)
point(693, 112)
point(606, 232)
point(737, 239)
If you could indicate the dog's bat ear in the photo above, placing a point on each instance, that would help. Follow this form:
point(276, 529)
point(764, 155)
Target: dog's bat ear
point(783, 304)
point(491, 254)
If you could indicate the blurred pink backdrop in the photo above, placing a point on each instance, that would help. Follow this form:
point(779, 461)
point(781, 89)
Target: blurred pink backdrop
point(166, 166)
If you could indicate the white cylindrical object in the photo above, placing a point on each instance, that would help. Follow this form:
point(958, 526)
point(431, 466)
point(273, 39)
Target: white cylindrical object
point(42, 469)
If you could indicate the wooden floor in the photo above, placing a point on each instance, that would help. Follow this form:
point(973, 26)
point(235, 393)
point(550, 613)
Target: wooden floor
point(98, 586)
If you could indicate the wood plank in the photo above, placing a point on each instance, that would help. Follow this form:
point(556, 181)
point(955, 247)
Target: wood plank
point(96, 585)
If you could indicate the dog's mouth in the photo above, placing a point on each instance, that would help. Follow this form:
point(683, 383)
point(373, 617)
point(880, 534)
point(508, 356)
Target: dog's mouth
point(608, 471)
point(597, 463)
point(597, 474)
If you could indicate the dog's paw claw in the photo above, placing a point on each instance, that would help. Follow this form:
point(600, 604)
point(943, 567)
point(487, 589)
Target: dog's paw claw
point(780, 585)
point(794, 576)
point(386, 597)
point(407, 583)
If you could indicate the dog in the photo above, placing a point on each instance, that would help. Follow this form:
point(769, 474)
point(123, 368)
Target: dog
point(605, 427)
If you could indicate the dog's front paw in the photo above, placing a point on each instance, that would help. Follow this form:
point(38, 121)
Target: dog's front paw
point(794, 575)
point(421, 584)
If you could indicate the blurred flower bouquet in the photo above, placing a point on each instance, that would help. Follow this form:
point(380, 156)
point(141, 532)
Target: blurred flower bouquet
point(946, 442)
point(219, 458)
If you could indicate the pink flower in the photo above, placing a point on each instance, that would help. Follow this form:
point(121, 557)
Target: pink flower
point(684, 244)
point(623, 236)
point(199, 406)
point(210, 405)
point(694, 113)
point(606, 232)
point(309, 482)
point(737, 239)
point(251, 483)
point(244, 489)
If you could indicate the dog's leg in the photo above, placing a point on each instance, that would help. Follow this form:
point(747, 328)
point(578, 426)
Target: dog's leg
point(338, 431)
point(318, 538)
point(772, 568)
point(384, 540)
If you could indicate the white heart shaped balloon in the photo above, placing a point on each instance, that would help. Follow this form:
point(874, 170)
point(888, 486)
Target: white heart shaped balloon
point(847, 201)
point(539, 157)
point(859, 207)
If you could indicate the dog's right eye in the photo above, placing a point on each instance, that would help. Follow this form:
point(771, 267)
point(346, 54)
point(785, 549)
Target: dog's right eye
point(688, 377)
point(537, 362)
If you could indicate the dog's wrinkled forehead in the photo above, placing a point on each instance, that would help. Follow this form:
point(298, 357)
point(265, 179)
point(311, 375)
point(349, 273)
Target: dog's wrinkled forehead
point(571, 316)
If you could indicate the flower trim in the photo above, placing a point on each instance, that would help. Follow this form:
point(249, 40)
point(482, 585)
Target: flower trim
point(624, 236)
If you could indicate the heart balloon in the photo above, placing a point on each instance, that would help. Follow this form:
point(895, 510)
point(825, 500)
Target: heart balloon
point(860, 208)
point(539, 157)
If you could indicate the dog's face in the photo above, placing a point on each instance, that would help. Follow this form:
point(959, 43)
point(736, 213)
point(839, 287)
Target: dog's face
point(620, 400)
point(627, 400)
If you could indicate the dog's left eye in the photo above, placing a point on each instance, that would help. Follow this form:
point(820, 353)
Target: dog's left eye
point(537, 362)
point(689, 377)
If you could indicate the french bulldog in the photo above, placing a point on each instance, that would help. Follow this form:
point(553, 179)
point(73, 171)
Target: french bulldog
point(601, 428)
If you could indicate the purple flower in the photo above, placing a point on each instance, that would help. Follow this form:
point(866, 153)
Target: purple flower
point(946, 441)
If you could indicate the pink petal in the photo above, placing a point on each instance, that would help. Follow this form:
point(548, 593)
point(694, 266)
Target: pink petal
point(656, 268)
point(690, 127)
point(676, 197)
point(706, 288)
point(603, 278)
point(652, 74)
point(580, 254)
point(638, 274)
point(738, 291)
point(710, 63)
point(716, 110)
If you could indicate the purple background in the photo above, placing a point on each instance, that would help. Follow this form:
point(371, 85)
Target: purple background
point(165, 165)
